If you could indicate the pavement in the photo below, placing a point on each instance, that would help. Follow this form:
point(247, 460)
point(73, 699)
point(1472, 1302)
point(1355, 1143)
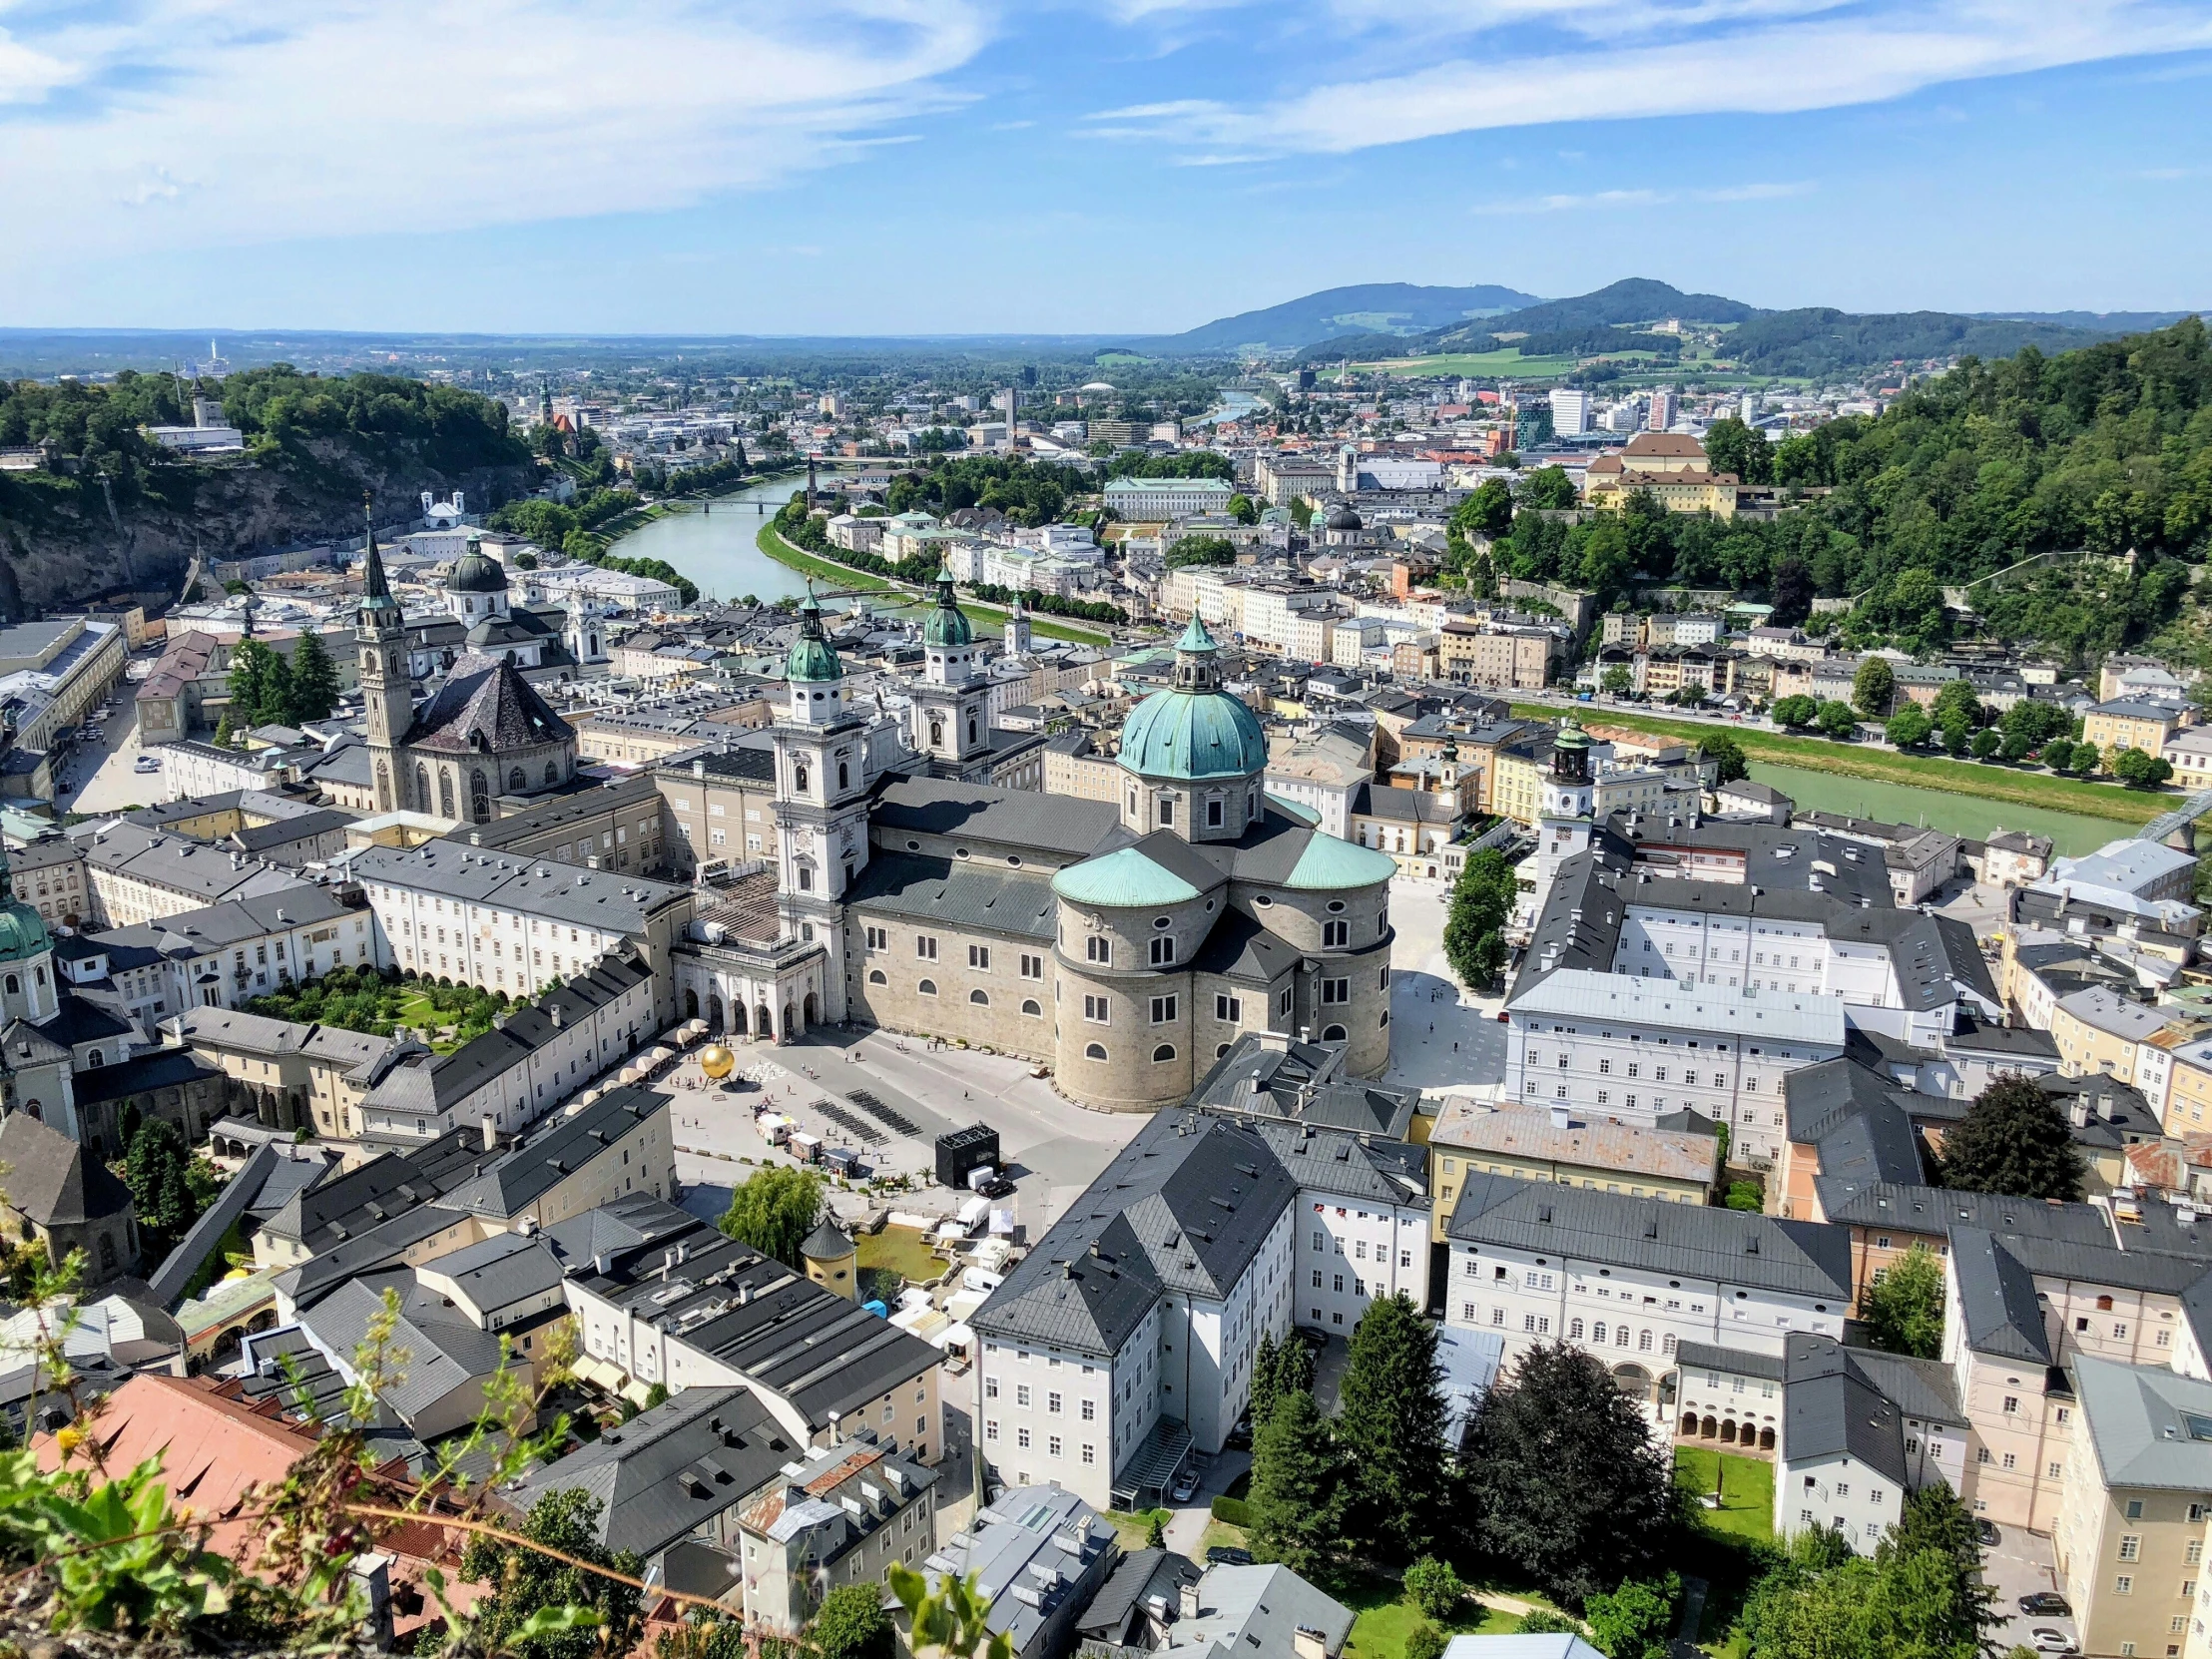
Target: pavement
point(1443, 1036)
point(1187, 1521)
point(1052, 1148)
point(2018, 1564)
point(97, 777)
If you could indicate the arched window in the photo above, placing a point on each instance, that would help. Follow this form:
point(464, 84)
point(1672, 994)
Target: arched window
point(936, 734)
point(479, 796)
point(971, 729)
point(799, 775)
point(1219, 1049)
point(423, 786)
point(1334, 1034)
point(107, 1253)
point(875, 977)
point(1166, 1051)
point(1031, 1007)
point(552, 774)
point(929, 987)
point(92, 1059)
point(383, 782)
point(1095, 1051)
point(518, 780)
point(445, 795)
point(845, 777)
point(980, 999)
point(15, 985)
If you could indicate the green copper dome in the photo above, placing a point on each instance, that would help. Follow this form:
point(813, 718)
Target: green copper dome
point(1196, 729)
point(1122, 881)
point(812, 657)
point(1330, 864)
point(948, 626)
point(22, 932)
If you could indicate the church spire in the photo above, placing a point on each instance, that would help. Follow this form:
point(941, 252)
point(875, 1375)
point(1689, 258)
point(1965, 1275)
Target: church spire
point(377, 604)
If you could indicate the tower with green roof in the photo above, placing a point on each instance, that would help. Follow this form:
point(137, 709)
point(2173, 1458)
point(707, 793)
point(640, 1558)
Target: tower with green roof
point(1193, 756)
point(952, 699)
point(1567, 816)
point(821, 796)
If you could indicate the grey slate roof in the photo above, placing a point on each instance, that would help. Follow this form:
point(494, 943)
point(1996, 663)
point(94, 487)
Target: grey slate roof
point(1996, 1299)
point(1115, 1612)
point(159, 1068)
point(1022, 820)
point(554, 1151)
point(1829, 1411)
point(1258, 1611)
point(1183, 1208)
point(52, 1179)
point(1733, 1362)
point(1298, 1082)
point(1004, 902)
point(670, 1469)
point(606, 899)
point(445, 1352)
point(1731, 1245)
point(1042, 1537)
point(484, 706)
point(2150, 1427)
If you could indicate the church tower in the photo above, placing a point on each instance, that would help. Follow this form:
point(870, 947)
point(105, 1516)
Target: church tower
point(822, 796)
point(387, 690)
point(952, 700)
point(1569, 816)
point(1017, 629)
point(586, 632)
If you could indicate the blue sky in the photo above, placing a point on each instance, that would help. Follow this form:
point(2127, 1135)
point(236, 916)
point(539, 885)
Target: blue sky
point(899, 166)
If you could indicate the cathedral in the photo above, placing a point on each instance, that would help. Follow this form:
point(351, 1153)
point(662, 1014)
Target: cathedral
point(486, 734)
point(1125, 944)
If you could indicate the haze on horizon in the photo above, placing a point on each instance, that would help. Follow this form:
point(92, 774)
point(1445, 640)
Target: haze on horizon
point(880, 167)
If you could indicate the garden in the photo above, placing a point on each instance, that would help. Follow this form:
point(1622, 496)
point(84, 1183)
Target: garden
point(378, 1004)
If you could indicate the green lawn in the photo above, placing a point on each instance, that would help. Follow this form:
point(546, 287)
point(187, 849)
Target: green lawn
point(1132, 1529)
point(772, 543)
point(1385, 1615)
point(1505, 363)
point(900, 1249)
point(1928, 772)
point(1747, 1490)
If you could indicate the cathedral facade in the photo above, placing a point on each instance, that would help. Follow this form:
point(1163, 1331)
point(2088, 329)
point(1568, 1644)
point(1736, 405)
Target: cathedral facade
point(486, 734)
point(1127, 945)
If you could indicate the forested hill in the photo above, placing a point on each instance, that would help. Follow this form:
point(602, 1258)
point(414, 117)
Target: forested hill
point(316, 444)
point(2105, 450)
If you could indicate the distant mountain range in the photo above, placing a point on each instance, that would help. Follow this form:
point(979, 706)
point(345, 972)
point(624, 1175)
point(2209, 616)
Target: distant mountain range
point(1387, 308)
point(1386, 320)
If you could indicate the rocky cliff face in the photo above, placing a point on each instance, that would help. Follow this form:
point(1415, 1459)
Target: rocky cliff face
point(59, 545)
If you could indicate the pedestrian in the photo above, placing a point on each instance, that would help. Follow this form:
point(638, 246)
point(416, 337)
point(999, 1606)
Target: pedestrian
point(1455, 1048)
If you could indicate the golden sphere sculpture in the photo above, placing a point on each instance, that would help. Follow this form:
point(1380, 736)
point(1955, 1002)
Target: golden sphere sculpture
point(715, 1061)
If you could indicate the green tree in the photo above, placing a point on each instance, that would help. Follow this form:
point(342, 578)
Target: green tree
point(1732, 446)
point(312, 684)
point(1298, 1500)
point(1243, 509)
point(1793, 592)
point(158, 1170)
point(1616, 680)
point(1796, 713)
point(1424, 1641)
point(1986, 743)
point(2015, 1140)
point(1908, 728)
point(1729, 753)
point(1836, 720)
point(519, 1583)
point(2139, 769)
point(1482, 902)
point(1542, 1621)
point(2059, 754)
point(950, 1619)
point(1391, 1423)
point(261, 688)
point(225, 735)
point(1434, 1587)
point(1487, 511)
point(1200, 550)
point(1904, 1305)
point(1958, 737)
point(774, 1209)
point(851, 1625)
point(1294, 1366)
point(1562, 1481)
point(1266, 1365)
point(1637, 1620)
point(2085, 759)
point(1547, 488)
point(1957, 699)
point(1873, 687)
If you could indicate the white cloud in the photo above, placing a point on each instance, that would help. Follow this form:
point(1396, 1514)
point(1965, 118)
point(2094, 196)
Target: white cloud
point(1758, 60)
point(199, 121)
point(1602, 200)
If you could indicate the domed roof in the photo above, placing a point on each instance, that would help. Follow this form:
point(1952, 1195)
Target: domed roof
point(813, 656)
point(475, 572)
point(21, 932)
point(1344, 518)
point(948, 624)
point(1196, 729)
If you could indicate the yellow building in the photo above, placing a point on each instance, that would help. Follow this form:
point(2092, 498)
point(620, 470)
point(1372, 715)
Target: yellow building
point(2144, 725)
point(1472, 1138)
point(2098, 1032)
point(2129, 1537)
point(1671, 468)
point(1517, 783)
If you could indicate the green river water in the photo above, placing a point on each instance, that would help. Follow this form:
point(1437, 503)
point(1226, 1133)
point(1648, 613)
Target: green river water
point(1959, 814)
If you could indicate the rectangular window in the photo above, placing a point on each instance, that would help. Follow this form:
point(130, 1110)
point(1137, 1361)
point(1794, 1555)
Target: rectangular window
point(1163, 1010)
point(1098, 1009)
point(926, 947)
point(2123, 1585)
point(878, 938)
point(1096, 950)
point(2132, 1546)
point(1032, 967)
point(1335, 991)
point(979, 956)
point(1162, 950)
point(1229, 1009)
point(1021, 1439)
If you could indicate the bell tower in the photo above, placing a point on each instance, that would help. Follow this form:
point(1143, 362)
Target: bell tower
point(952, 700)
point(821, 796)
point(1568, 817)
point(387, 688)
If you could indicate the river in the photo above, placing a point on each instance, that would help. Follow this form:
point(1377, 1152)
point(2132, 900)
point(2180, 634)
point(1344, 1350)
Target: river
point(1960, 814)
point(718, 548)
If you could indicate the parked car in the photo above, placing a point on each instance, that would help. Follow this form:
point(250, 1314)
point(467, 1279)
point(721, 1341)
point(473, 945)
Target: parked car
point(2048, 1603)
point(147, 762)
point(2047, 1640)
point(1227, 1555)
point(1989, 1535)
point(1240, 1438)
point(1186, 1486)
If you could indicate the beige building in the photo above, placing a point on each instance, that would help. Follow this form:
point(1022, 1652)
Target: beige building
point(288, 1076)
point(618, 827)
point(720, 809)
point(1518, 781)
point(2097, 1031)
point(2144, 725)
point(1605, 1155)
point(1070, 768)
point(2129, 1536)
point(50, 876)
point(1472, 653)
point(641, 737)
point(842, 1516)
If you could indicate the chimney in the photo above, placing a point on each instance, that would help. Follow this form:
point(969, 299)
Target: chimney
point(1189, 1601)
point(1560, 1119)
point(1309, 1643)
point(2078, 1112)
point(492, 1135)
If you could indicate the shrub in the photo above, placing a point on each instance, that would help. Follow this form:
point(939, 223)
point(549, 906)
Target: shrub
point(1434, 1587)
point(1424, 1641)
point(1233, 1511)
